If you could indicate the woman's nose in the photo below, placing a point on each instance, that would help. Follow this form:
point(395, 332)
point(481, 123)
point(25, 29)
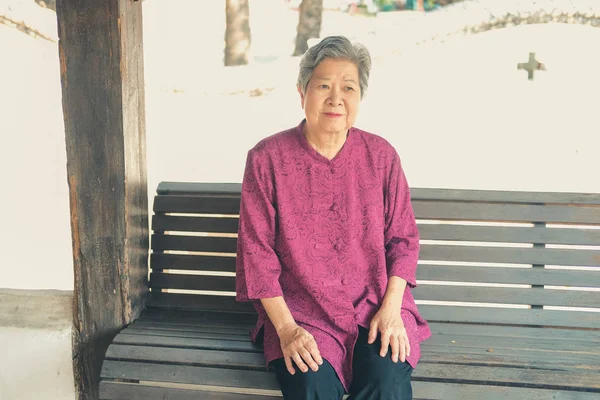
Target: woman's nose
point(335, 98)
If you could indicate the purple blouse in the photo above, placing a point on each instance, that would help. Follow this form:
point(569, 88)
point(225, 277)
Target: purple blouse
point(326, 235)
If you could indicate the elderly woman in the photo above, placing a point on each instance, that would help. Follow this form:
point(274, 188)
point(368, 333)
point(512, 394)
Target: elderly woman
point(328, 244)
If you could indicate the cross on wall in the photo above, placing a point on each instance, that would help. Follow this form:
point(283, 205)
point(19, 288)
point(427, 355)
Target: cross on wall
point(531, 66)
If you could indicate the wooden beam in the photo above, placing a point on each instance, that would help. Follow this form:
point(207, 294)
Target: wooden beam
point(101, 57)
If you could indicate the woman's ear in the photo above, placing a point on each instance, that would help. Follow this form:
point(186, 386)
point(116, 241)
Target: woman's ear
point(301, 96)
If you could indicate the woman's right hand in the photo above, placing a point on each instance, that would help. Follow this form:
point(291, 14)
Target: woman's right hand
point(299, 345)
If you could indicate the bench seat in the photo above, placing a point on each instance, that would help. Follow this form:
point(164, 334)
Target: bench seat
point(496, 284)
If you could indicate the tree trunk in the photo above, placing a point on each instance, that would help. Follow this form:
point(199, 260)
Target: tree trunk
point(237, 33)
point(309, 24)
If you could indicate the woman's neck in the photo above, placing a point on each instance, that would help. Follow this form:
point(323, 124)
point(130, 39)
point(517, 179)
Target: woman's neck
point(327, 144)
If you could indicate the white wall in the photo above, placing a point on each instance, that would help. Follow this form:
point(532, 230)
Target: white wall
point(35, 345)
point(35, 232)
point(36, 364)
point(35, 236)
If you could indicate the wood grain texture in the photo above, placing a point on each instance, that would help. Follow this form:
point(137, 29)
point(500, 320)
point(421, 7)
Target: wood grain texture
point(199, 375)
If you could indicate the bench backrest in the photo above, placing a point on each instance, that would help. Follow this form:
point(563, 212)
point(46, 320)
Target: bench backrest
point(492, 257)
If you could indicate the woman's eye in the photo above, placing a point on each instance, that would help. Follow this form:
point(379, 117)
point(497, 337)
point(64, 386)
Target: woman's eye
point(349, 88)
point(324, 86)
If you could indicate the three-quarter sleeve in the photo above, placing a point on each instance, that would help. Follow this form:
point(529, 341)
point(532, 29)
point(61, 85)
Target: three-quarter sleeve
point(401, 233)
point(257, 265)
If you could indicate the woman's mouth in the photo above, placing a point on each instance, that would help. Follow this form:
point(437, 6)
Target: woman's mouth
point(333, 115)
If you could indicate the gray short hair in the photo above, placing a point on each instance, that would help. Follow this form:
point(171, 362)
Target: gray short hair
point(338, 47)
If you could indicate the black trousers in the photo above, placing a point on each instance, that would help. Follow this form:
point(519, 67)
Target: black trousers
point(374, 377)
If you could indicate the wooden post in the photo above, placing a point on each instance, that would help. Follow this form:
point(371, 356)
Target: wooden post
point(102, 76)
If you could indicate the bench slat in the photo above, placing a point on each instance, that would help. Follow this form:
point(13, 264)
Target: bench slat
point(577, 380)
point(523, 349)
point(198, 302)
point(110, 390)
point(189, 374)
point(194, 317)
point(246, 345)
point(141, 325)
point(183, 188)
point(225, 204)
point(220, 358)
point(424, 209)
point(516, 332)
point(426, 272)
point(509, 358)
point(468, 195)
point(192, 262)
point(192, 282)
point(525, 276)
point(199, 334)
point(195, 188)
point(446, 391)
point(459, 211)
point(180, 324)
point(194, 243)
point(161, 223)
point(534, 317)
point(506, 255)
point(564, 236)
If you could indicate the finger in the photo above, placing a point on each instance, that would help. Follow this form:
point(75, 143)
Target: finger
point(289, 366)
point(314, 352)
point(298, 360)
point(385, 342)
point(307, 357)
point(402, 349)
point(407, 346)
point(395, 343)
point(372, 333)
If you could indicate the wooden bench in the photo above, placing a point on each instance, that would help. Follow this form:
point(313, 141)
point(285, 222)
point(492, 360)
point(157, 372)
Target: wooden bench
point(528, 336)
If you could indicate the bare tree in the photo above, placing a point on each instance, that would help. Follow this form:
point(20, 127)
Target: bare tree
point(309, 24)
point(237, 32)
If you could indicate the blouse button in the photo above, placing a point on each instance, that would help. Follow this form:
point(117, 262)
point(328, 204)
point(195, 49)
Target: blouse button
point(333, 207)
point(344, 281)
point(336, 246)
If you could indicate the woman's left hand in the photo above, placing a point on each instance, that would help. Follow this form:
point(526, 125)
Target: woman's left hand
point(388, 322)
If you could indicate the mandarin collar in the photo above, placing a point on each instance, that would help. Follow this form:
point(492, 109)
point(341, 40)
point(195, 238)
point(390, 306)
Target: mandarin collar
point(318, 156)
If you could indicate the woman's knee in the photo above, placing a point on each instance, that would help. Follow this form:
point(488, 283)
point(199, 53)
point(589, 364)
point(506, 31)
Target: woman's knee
point(382, 380)
point(322, 384)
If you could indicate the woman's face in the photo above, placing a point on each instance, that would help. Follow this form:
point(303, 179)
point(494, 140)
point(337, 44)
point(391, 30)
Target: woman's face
point(332, 97)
